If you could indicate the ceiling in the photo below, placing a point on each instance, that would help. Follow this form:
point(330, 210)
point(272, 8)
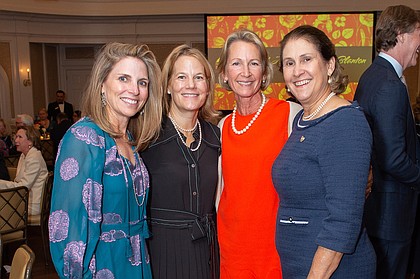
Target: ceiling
point(174, 7)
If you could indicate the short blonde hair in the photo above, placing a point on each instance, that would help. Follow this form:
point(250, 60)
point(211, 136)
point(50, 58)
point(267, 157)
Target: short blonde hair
point(33, 135)
point(247, 36)
point(206, 112)
point(143, 126)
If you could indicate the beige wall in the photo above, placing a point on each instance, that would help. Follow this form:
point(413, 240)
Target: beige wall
point(5, 62)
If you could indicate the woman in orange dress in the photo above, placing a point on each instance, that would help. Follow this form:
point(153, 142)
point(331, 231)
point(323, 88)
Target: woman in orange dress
point(252, 136)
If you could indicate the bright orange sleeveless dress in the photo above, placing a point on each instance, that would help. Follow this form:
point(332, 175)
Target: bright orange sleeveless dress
point(246, 217)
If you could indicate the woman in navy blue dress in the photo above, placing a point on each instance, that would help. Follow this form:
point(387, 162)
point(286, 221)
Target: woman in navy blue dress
point(322, 171)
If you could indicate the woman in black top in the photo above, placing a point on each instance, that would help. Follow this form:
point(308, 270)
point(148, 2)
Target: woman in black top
point(183, 171)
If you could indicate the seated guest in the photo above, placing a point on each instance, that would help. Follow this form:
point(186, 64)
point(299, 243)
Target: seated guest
point(5, 136)
point(3, 148)
point(43, 124)
point(77, 114)
point(63, 124)
point(4, 174)
point(31, 170)
point(24, 120)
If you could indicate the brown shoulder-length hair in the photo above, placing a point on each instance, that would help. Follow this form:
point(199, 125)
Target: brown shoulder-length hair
point(33, 136)
point(325, 47)
point(246, 36)
point(144, 126)
point(206, 112)
point(394, 20)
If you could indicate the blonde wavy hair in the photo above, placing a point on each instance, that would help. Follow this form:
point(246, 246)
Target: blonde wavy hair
point(144, 126)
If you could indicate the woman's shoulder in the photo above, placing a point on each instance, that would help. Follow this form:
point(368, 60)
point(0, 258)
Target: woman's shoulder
point(87, 123)
point(280, 107)
point(349, 118)
point(277, 102)
point(210, 126)
point(88, 131)
point(34, 153)
point(211, 132)
point(353, 109)
point(341, 115)
point(343, 110)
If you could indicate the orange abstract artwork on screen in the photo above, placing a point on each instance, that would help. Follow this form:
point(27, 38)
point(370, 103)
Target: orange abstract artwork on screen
point(352, 35)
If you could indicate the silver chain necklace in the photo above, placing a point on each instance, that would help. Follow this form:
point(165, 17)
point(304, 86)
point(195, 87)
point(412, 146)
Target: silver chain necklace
point(125, 164)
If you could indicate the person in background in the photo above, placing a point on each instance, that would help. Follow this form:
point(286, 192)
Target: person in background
point(24, 120)
point(414, 260)
point(183, 167)
point(60, 105)
point(97, 226)
point(77, 114)
point(252, 136)
point(31, 170)
point(63, 124)
point(322, 172)
point(390, 210)
point(43, 123)
point(4, 173)
point(5, 136)
point(3, 148)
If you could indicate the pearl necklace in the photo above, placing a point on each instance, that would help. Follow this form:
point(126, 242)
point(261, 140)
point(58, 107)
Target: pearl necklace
point(250, 122)
point(177, 128)
point(182, 129)
point(318, 109)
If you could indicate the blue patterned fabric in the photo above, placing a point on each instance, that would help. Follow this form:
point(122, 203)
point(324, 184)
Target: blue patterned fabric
point(97, 226)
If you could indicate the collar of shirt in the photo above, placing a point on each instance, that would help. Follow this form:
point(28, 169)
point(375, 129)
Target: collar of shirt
point(397, 66)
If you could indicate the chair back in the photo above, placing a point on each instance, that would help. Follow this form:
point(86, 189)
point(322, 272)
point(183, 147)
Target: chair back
point(46, 199)
point(36, 220)
point(13, 215)
point(12, 172)
point(22, 263)
point(13, 211)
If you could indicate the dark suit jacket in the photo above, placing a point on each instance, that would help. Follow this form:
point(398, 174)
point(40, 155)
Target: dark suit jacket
point(390, 209)
point(58, 133)
point(54, 109)
point(4, 173)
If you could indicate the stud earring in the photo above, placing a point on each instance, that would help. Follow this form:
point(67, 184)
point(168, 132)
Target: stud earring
point(225, 81)
point(103, 99)
point(169, 92)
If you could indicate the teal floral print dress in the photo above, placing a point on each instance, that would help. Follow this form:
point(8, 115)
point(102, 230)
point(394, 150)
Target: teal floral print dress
point(97, 225)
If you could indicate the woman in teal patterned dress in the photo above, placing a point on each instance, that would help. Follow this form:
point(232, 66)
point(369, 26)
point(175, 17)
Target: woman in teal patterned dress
point(97, 226)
